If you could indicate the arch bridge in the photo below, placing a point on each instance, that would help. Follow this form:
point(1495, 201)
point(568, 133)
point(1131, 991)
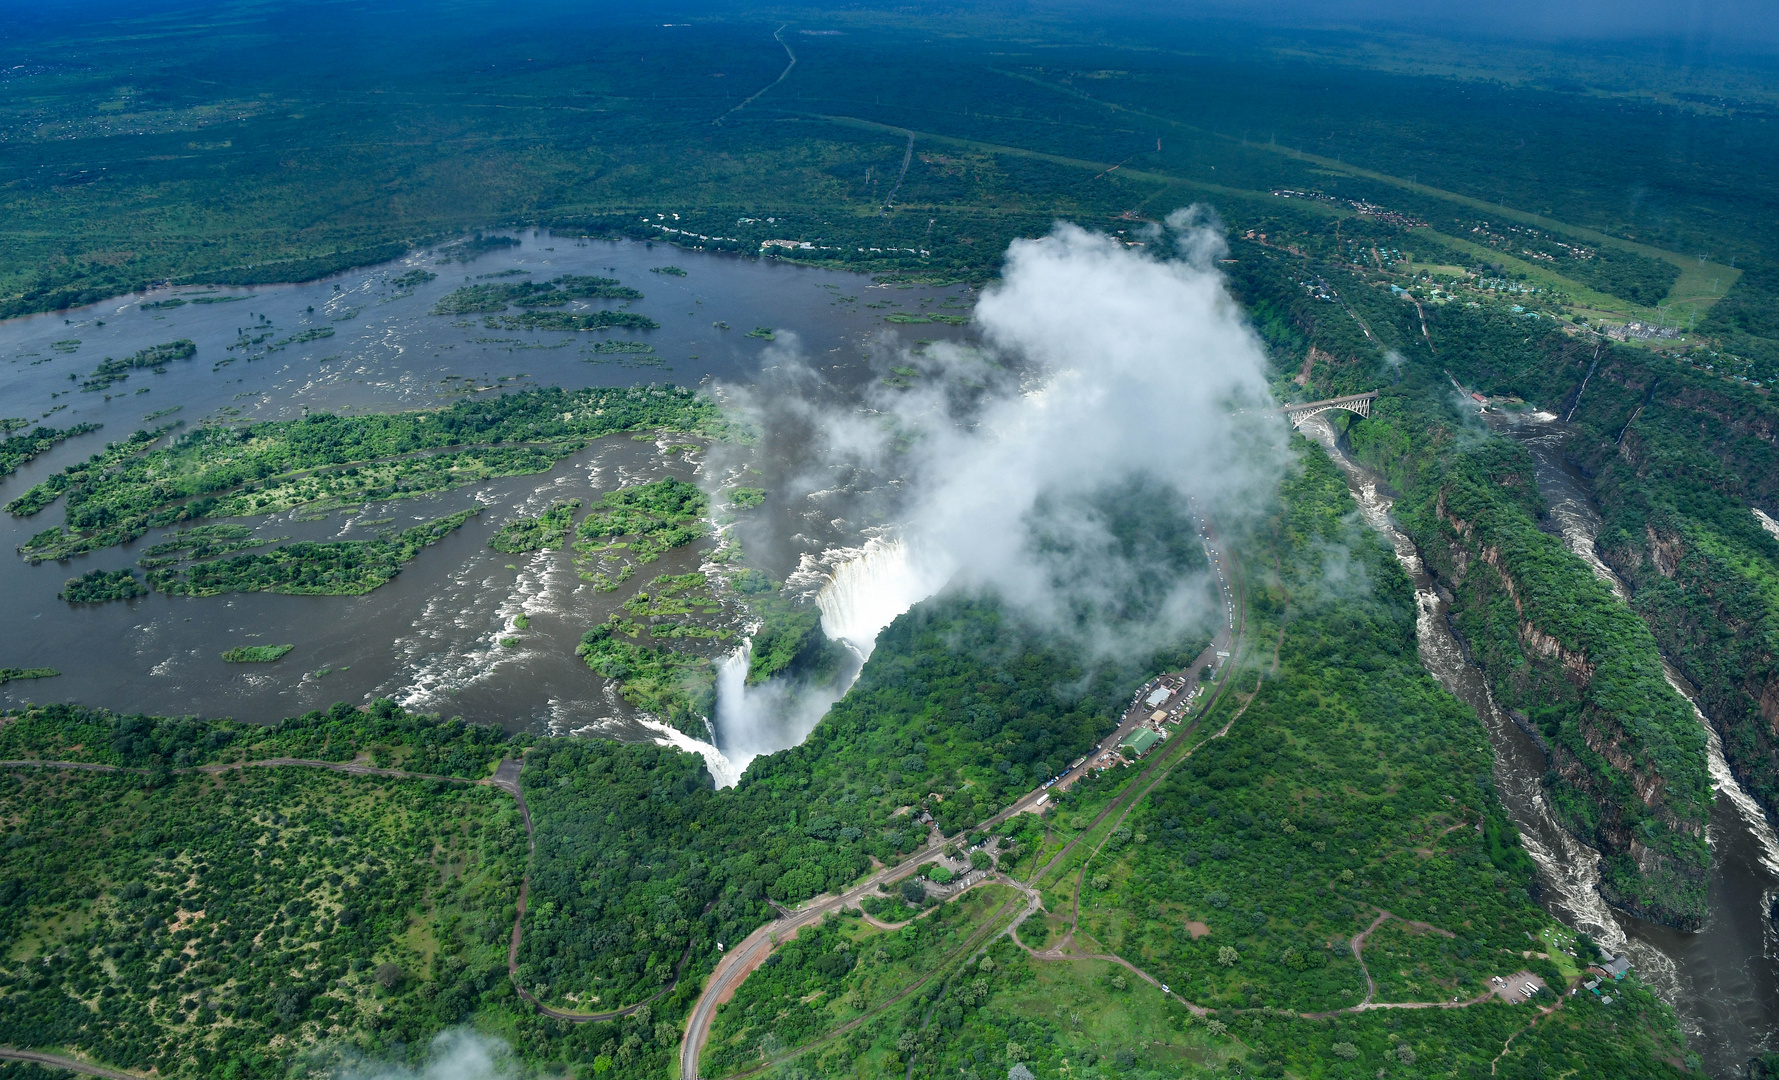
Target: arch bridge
point(1353, 403)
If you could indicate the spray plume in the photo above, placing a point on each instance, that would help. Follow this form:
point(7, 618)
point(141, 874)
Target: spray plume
point(1118, 393)
point(456, 1054)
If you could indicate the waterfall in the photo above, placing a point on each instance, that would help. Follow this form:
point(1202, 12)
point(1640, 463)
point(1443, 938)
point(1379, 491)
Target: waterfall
point(867, 593)
point(864, 593)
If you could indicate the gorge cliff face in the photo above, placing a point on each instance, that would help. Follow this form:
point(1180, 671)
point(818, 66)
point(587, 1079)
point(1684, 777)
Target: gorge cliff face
point(1606, 777)
point(1711, 616)
point(1625, 757)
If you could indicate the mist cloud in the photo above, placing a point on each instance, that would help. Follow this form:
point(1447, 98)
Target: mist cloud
point(1118, 386)
point(456, 1054)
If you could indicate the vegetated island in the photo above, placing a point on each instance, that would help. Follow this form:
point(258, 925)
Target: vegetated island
point(256, 654)
point(13, 674)
point(629, 528)
point(308, 567)
point(475, 247)
point(98, 586)
point(546, 530)
point(155, 358)
point(324, 462)
point(495, 298)
point(16, 450)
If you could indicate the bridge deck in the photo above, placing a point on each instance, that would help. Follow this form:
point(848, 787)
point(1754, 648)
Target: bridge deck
point(1359, 404)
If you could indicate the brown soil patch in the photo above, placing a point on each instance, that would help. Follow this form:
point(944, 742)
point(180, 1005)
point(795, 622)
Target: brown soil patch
point(753, 965)
point(1197, 929)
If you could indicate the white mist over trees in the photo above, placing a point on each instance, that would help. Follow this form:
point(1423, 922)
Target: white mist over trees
point(1119, 394)
point(1066, 492)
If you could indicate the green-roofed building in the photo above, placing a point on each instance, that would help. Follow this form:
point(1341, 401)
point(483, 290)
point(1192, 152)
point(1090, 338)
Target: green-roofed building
point(1140, 741)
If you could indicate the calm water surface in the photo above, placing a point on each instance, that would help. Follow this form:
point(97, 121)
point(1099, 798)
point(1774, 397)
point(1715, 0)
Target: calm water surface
point(430, 638)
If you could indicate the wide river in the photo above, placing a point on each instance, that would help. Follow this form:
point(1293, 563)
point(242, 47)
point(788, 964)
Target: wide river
point(431, 638)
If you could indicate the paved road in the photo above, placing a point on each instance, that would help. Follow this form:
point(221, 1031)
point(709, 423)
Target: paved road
point(778, 36)
point(741, 959)
point(1223, 642)
point(57, 1061)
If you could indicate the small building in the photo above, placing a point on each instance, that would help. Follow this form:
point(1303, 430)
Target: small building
point(1157, 696)
point(1140, 741)
point(1616, 966)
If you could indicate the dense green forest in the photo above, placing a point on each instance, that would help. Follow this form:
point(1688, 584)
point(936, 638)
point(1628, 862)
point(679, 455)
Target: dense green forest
point(98, 586)
point(387, 735)
point(213, 923)
point(1626, 756)
point(640, 867)
point(216, 921)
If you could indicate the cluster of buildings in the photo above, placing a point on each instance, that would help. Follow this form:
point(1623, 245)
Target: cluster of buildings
point(1169, 698)
point(1640, 331)
point(1613, 968)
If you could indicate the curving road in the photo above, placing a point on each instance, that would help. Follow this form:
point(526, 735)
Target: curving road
point(741, 960)
point(57, 1061)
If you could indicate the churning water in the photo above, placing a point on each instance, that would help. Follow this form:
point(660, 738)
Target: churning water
point(1722, 981)
point(446, 634)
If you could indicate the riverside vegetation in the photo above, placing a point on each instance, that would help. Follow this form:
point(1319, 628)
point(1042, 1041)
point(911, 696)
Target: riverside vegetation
point(1627, 758)
point(321, 463)
point(1282, 839)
